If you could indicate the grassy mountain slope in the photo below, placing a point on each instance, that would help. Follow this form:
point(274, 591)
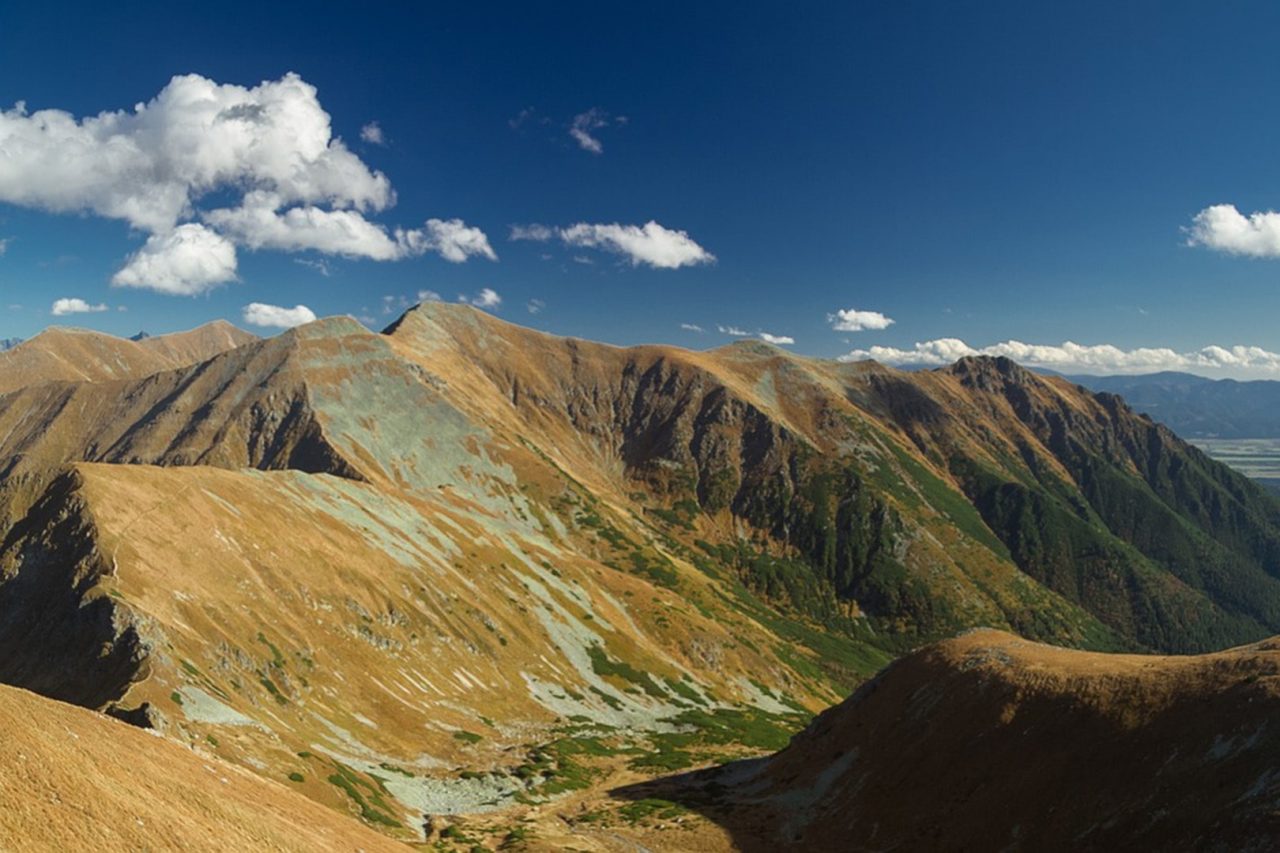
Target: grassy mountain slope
point(72, 777)
point(462, 564)
point(71, 354)
point(990, 742)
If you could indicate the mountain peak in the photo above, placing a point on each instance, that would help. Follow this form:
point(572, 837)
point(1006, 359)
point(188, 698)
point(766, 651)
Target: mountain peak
point(987, 372)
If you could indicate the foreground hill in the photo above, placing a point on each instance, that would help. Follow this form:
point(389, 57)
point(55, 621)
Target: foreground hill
point(462, 565)
point(71, 354)
point(990, 742)
point(72, 778)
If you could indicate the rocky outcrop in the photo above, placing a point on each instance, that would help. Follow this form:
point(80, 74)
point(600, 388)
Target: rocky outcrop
point(62, 634)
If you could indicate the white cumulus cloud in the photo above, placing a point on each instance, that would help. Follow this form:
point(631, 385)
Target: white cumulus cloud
point(1070, 357)
point(74, 305)
point(272, 145)
point(276, 316)
point(650, 244)
point(184, 261)
point(452, 239)
point(779, 340)
point(1226, 229)
point(733, 331)
point(853, 320)
point(692, 327)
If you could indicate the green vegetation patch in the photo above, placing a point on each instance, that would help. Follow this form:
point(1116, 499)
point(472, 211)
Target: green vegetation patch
point(603, 665)
point(372, 807)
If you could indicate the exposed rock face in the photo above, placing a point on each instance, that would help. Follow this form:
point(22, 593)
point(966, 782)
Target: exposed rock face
point(990, 742)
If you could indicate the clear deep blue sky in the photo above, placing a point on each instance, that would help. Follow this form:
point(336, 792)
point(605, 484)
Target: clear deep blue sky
point(982, 170)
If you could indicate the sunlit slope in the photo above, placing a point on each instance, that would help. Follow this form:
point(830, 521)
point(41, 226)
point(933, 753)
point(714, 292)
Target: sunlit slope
point(73, 779)
point(319, 625)
point(70, 354)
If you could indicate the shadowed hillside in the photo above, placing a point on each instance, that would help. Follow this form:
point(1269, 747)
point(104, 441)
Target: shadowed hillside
point(990, 742)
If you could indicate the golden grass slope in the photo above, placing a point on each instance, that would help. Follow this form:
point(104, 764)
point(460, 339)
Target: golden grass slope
point(73, 779)
point(312, 624)
point(63, 353)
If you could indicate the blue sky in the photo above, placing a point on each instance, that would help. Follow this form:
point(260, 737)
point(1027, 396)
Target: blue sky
point(977, 172)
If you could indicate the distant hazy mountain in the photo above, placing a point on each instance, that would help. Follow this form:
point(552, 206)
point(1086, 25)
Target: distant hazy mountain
point(1196, 407)
point(9, 343)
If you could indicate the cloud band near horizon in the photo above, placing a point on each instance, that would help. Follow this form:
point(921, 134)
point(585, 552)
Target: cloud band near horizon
point(1070, 357)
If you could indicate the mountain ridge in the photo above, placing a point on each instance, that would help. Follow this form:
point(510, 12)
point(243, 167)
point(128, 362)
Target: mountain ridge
point(464, 549)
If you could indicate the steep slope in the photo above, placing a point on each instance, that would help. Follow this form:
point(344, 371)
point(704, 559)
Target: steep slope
point(990, 742)
point(72, 777)
point(913, 494)
point(69, 354)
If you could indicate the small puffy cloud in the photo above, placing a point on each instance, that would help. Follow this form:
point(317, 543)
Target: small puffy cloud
point(372, 134)
point(1070, 357)
point(452, 239)
point(186, 261)
point(853, 320)
point(733, 331)
point(486, 298)
point(779, 340)
point(535, 306)
point(1226, 229)
point(270, 146)
point(692, 327)
point(428, 296)
point(4, 244)
point(650, 244)
point(74, 305)
point(275, 316)
point(584, 126)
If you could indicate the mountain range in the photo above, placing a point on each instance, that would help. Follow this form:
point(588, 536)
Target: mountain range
point(458, 577)
point(1196, 407)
